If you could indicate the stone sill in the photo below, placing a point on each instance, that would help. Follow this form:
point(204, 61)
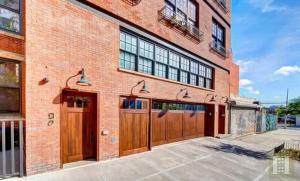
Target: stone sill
point(20, 37)
point(11, 55)
point(162, 79)
point(11, 117)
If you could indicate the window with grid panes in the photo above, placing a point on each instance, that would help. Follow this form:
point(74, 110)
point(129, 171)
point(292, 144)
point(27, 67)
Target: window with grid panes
point(167, 63)
point(218, 35)
point(128, 43)
point(201, 82)
point(202, 70)
point(145, 65)
point(186, 9)
point(128, 47)
point(160, 70)
point(174, 59)
point(161, 55)
point(146, 56)
point(194, 67)
point(127, 60)
point(185, 64)
point(173, 73)
point(183, 77)
point(146, 49)
point(193, 79)
point(202, 75)
point(10, 15)
point(209, 76)
point(10, 87)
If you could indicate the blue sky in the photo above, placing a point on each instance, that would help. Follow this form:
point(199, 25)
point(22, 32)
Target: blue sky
point(266, 45)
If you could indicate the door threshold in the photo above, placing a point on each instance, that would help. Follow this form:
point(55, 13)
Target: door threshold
point(79, 163)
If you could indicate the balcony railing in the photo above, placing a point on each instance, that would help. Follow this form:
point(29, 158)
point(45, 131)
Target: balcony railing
point(219, 49)
point(223, 4)
point(11, 148)
point(180, 22)
point(132, 2)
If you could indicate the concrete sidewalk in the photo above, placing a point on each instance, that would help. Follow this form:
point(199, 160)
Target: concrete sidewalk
point(197, 159)
point(274, 138)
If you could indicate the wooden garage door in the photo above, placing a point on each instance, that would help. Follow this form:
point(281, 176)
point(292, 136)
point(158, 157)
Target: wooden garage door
point(134, 126)
point(174, 122)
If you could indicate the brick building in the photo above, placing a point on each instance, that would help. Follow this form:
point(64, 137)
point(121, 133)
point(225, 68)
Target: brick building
point(105, 78)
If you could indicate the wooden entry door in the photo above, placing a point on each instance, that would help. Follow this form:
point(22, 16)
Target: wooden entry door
point(134, 126)
point(78, 126)
point(221, 122)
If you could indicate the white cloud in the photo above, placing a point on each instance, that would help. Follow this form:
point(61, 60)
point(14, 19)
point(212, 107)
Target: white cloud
point(251, 90)
point(247, 85)
point(287, 70)
point(244, 65)
point(245, 82)
point(266, 5)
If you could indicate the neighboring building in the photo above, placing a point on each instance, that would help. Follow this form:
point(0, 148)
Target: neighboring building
point(234, 80)
point(244, 114)
point(159, 72)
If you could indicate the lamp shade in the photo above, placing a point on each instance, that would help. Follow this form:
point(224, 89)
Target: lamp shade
point(213, 99)
point(83, 80)
point(144, 89)
point(186, 95)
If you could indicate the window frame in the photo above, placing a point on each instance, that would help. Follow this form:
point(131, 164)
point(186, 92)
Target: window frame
point(11, 87)
point(187, 18)
point(20, 13)
point(156, 60)
point(216, 37)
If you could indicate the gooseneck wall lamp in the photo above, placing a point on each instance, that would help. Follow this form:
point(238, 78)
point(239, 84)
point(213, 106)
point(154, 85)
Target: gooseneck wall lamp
point(227, 101)
point(144, 89)
point(212, 99)
point(83, 81)
point(186, 94)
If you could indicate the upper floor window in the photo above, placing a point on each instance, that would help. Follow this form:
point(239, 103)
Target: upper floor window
point(218, 33)
point(218, 39)
point(10, 15)
point(223, 5)
point(9, 87)
point(148, 57)
point(187, 9)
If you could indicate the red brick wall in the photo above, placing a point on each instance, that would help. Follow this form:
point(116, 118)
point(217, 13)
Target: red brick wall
point(145, 15)
point(234, 79)
point(11, 44)
point(60, 40)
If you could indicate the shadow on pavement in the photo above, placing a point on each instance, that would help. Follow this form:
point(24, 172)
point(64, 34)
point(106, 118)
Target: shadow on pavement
point(238, 150)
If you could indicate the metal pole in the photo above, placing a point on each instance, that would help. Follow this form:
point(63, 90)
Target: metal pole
point(286, 107)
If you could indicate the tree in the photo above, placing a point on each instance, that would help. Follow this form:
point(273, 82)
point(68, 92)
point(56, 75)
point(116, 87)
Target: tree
point(293, 108)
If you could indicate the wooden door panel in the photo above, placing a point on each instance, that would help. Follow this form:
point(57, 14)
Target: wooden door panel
point(221, 121)
point(144, 134)
point(209, 120)
point(133, 133)
point(74, 129)
point(134, 130)
point(200, 123)
point(159, 127)
point(174, 126)
point(126, 132)
point(189, 123)
point(89, 136)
